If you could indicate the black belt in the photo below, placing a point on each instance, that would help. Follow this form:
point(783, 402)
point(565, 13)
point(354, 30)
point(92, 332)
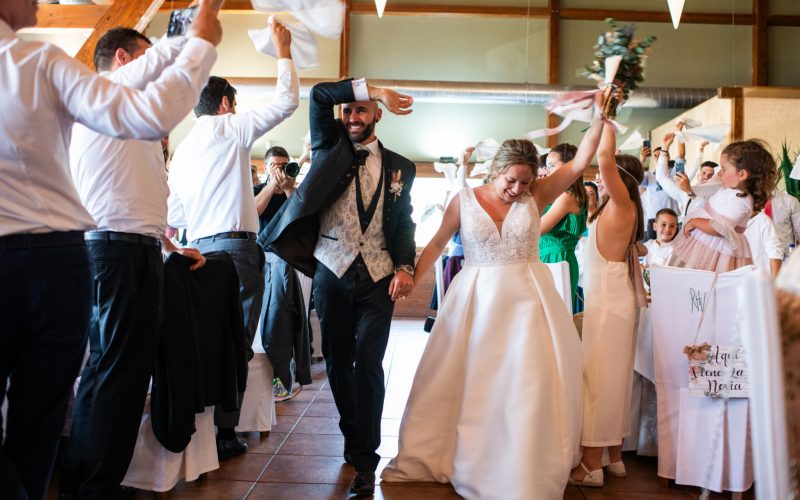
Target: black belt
point(235, 235)
point(37, 240)
point(127, 237)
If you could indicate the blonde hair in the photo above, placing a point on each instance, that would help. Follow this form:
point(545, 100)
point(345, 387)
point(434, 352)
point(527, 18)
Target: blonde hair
point(513, 152)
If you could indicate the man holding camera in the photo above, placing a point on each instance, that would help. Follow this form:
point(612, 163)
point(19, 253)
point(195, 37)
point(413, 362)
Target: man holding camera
point(211, 192)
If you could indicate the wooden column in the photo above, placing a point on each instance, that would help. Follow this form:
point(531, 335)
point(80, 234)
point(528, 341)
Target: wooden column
point(553, 58)
point(135, 14)
point(344, 43)
point(760, 54)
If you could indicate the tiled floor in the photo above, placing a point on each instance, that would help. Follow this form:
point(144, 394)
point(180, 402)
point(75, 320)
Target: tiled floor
point(301, 458)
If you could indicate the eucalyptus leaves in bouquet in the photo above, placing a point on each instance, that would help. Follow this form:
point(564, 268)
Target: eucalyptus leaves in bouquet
point(619, 61)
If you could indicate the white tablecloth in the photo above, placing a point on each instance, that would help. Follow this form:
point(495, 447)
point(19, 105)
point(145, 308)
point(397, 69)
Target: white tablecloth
point(154, 468)
point(687, 426)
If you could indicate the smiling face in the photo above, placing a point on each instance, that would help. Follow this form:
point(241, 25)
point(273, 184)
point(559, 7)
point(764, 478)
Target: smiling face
point(359, 119)
point(731, 177)
point(665, 226)
point(706, 173)
point(512, 183)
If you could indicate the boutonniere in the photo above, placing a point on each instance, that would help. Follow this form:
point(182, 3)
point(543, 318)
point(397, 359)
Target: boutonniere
point(396, 187)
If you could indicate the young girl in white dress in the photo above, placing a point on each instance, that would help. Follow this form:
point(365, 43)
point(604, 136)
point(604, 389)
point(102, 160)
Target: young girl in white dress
point(613, 290)
point(712, 238)
point(495, 407)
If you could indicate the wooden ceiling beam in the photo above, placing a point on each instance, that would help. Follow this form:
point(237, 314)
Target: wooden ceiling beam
point(135, 14)
point(422, 9)
point(228, 5)
point(553, 59)
point(344, 43)
point(69, 16)
point(641, 16)
point(760, 43)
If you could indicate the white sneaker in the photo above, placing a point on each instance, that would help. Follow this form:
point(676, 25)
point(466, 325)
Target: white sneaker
point(592, 478)
point(616, 469)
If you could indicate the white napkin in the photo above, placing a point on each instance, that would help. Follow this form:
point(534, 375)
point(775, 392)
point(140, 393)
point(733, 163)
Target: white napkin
point(634, 141)
point(796, 169)
point(711, 133)
point(480, 169)
point(688, 122)
point(485, 150)
point(324, 17)
point(304, 46)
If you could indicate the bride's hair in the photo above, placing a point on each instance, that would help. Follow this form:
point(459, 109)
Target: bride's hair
point(513, 152)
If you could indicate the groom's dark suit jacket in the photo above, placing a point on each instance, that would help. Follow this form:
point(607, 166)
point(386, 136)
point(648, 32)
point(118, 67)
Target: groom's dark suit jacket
point(292, 234)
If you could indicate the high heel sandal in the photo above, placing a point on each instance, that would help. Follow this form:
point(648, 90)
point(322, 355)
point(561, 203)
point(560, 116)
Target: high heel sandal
point(592, 478)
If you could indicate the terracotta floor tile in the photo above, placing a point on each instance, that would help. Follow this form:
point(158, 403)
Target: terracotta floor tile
point(247, 467)
point(288, 491)
point(285, 423)
point(318, 425)
point(202, 489)
point(265, 446)
point(325, 395)
point(308, 470)
point(291, 407)
point(321, 445)
point(573, 493)
point(322, 409)
point(306, 395)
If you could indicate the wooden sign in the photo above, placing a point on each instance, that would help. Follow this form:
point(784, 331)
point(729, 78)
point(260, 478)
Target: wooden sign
point(719, 371)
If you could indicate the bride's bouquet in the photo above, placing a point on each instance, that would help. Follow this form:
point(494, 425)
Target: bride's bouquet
point(619, 61)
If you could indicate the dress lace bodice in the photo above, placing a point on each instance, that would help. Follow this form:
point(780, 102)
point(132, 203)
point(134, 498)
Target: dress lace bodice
point(483, 243)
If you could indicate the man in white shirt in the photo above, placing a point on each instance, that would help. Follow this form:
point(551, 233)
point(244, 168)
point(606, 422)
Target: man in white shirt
point(45, 300)
point(211, 192)
point(123, 185)
point(785, 212)
point(765, 246)
point(678, 187)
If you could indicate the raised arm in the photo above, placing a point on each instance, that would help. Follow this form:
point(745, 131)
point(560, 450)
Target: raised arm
point(549, 188)
point(564, 205)
point(451, 222)
point(142, 70)
point(149, 114)
point(607, 162)
point(252, 125)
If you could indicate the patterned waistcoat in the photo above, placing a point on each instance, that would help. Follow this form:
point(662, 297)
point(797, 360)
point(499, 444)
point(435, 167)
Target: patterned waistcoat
point(341, 240)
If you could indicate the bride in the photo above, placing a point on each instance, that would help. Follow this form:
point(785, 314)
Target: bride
point(495, 407)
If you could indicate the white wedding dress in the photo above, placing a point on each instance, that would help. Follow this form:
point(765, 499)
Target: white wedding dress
point(495, 408)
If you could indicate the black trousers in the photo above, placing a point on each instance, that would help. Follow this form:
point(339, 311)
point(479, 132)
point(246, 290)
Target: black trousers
point(123, 336)
point(45, 295)
point(355, 315)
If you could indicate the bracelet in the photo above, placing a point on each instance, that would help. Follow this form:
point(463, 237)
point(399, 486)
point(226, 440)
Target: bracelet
point(406, 268)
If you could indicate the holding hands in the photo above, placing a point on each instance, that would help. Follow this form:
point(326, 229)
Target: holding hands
point(401, 285)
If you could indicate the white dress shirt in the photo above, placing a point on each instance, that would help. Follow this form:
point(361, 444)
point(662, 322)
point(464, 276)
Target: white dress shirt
point(786, 215)
point(658, 253)
point(43, 93)
point(670, 187)
point(211, 189)
point(123, 183)
point(657, 197)
point(763, 240)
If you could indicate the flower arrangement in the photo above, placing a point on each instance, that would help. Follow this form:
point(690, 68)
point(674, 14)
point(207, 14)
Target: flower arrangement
point(619, 61)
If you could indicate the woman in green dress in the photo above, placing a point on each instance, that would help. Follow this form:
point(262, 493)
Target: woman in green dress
point(564, 220)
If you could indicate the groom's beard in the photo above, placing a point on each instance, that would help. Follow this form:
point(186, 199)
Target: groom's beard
point(364, 134)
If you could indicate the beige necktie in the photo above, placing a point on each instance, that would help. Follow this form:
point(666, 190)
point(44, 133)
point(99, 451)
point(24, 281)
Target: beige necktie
point(367, 183)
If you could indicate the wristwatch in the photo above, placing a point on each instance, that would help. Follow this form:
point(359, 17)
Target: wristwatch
point(406, 268)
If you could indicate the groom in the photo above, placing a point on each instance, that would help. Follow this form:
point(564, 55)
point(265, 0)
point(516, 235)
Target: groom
point(349, 227)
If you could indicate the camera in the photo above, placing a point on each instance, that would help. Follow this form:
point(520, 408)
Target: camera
point(291, 169)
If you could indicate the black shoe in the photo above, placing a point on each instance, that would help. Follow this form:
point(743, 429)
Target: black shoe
point(363, 484)
point(228, 448)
